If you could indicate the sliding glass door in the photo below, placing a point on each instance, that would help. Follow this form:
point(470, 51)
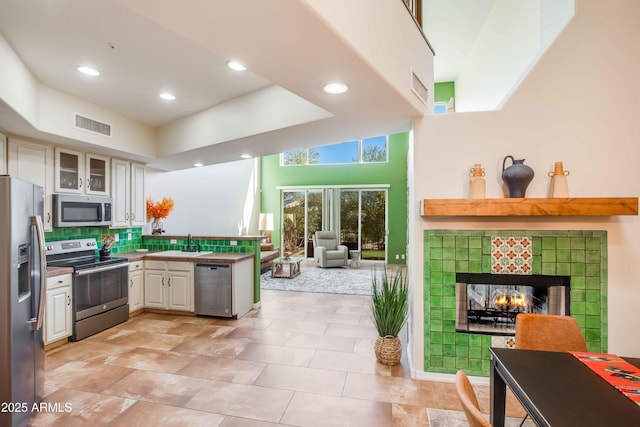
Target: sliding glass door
point(360, 215)
point(363, 222)
point(293, 222)
point(303, 213)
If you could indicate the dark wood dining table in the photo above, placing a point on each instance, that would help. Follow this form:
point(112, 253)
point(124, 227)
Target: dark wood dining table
point(558, 390)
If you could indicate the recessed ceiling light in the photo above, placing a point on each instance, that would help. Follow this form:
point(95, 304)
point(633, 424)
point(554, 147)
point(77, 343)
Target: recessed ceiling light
point(336, 88)
point(246, 156)
point(198, 164)
point(167, 96)
point(236, 66)
point(89, 71)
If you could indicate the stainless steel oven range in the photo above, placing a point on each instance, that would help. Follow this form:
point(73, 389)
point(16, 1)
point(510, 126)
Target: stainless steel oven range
point(100, 291)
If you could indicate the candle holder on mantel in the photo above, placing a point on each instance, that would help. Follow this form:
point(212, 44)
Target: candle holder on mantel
point(559, 187)
point(477, 183)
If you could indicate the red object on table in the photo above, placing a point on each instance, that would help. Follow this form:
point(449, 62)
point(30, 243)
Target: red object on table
point(615, 370)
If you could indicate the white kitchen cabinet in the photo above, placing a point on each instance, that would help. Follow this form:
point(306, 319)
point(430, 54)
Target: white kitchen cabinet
point(136, 285)
point(58, 309)
point(138, 201)
point(81, 173)
point(129, 206)
point(168, 285)
point(3, 154)
point(97, 172)
point(34, 163)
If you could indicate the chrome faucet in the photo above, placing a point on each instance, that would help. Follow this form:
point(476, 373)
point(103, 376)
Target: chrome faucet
point(189, 243)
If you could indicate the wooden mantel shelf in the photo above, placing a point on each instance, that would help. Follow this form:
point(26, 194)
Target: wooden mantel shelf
point(531, 207)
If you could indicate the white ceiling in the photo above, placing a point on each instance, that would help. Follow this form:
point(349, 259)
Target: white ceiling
point(54, 37)
point(144, 47)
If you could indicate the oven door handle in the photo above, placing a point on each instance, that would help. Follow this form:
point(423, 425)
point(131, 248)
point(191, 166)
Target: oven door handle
point(101, 269)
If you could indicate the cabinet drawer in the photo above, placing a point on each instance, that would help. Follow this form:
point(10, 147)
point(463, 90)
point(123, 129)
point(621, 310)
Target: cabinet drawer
point(136, 265)
point(58, 281)
point(179, 266)
point(155, 265)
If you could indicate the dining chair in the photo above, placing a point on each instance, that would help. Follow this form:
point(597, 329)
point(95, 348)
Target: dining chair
point(469, 402)
point(548, 332)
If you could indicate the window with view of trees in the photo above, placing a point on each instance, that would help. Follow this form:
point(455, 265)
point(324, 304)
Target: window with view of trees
point(366, 150)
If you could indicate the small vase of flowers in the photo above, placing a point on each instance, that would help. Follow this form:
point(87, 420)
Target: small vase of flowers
point(157, 211)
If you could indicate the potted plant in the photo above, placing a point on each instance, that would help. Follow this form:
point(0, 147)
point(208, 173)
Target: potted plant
point(389, 307)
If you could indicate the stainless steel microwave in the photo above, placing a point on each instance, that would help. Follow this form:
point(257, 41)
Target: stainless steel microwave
point(70, 210)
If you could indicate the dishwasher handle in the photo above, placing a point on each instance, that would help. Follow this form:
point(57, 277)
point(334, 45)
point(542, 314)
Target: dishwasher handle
point(212, 266)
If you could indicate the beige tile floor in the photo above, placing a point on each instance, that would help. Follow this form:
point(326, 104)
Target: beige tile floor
point(303, 359)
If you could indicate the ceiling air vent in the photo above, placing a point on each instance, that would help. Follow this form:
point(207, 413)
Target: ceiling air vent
point(419, 88)
point(91, 125)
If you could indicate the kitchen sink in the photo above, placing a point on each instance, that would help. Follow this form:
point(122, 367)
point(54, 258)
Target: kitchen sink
point(178, 254)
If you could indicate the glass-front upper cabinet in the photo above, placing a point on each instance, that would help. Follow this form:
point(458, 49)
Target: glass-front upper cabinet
point(98, 169)
point(80, 173)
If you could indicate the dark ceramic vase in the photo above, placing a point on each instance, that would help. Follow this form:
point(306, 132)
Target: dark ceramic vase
point(517, 177)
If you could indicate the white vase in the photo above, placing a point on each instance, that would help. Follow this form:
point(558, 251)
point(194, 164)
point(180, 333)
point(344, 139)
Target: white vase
point(559, 186)
point(477, 183)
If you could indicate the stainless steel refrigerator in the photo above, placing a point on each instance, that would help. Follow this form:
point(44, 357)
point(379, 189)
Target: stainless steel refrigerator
point(22, 276)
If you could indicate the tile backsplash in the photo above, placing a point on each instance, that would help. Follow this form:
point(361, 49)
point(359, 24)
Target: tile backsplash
point(128, 239)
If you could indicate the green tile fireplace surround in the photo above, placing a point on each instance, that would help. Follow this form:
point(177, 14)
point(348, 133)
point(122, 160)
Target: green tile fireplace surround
point(582, 255)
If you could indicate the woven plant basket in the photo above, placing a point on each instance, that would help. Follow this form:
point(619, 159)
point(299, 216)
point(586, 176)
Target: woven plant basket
point(388, 350)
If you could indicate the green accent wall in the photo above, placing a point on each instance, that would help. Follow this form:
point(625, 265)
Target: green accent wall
point(582, 255)
point(444, 91)
point(393, 173)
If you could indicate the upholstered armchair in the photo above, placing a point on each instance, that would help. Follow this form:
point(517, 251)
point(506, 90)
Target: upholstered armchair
point(326, 250)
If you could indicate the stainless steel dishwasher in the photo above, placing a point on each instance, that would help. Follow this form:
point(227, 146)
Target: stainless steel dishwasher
point(213, 293)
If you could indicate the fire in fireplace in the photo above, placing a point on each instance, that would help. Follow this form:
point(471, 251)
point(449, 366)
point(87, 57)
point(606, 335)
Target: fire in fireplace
point(489, 303)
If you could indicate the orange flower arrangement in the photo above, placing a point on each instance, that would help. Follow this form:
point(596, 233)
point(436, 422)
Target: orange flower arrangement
point(160, 209)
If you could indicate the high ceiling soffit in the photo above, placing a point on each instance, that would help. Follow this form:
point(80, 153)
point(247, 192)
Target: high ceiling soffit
point(144, 47)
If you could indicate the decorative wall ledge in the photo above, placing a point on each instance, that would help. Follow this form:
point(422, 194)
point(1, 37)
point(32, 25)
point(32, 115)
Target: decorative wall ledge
point(609, 206)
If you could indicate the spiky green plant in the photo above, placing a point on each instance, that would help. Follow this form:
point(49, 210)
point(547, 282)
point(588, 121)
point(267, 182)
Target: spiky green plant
point(389, 302)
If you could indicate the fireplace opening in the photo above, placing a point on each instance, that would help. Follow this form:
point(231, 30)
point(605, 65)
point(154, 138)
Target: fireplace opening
point(489, 303)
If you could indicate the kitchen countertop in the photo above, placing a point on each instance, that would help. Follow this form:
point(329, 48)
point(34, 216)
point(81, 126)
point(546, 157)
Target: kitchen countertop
point(139, 256)
point(164, 236)
point(211, 257)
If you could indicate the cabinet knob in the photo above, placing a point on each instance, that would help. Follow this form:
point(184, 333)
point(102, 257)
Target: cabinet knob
point(48, 217)
point(169, 281)
point(133, 216)
point(68, 300)
point(80, 186)
point(126, 216)
point(163, 281)
point(131, 286)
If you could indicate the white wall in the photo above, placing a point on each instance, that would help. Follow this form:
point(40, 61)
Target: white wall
point(578, 105)
point(514, 35)
point(218, 200)
point(378, 30)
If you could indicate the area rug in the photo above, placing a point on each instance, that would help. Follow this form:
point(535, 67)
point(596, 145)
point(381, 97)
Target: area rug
point(323, 280)
point(447, 418)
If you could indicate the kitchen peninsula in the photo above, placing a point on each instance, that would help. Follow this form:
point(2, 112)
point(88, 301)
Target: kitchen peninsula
point(231, 249)
point(177, 259)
